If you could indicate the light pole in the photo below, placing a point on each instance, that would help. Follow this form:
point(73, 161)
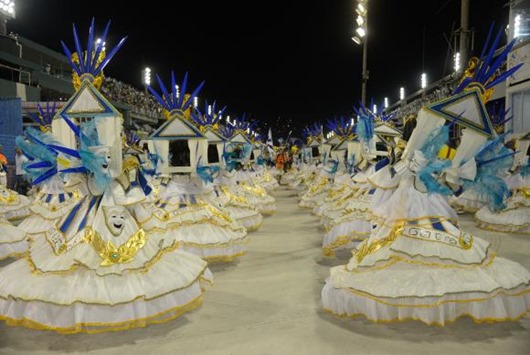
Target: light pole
point(7, 12)
point(423, 79)
point(146, 77)
point(360, 37)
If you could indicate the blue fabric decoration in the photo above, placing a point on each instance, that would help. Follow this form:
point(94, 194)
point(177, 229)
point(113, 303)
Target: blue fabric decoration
point(94, 164)
point(428, 174)
point(365, 128)
point(207, 173)
point(143, 183)
point(382, 163)
point(41, 164)
point(493, 160)
point(435, 141)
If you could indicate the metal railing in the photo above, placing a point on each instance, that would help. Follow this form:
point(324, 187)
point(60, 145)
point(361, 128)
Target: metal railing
point(21, 74)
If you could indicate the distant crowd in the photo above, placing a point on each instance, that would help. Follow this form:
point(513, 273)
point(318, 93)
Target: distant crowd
point(141, 102)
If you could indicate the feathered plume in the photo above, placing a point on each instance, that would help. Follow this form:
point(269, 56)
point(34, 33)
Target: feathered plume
point(174, 101)
point(485, 69)
point(37, 146)
point(42, 159)
point(227, 130)
point(90, 154)
point(313, 132)
point(207, 173)
point(241, 124)
point(95, 57)
point(499, 116)
point(493, 160)
point(44, 118)
point(434, 166)
point(365, 124)
point(341, 127)
point(210, 117)
point(230, 156)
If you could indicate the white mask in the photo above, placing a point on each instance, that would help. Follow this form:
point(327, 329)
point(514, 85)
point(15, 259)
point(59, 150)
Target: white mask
point(115, 219)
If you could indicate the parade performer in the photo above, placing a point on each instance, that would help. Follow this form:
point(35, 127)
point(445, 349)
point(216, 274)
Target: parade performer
point(419, 264)
point(183, 207)
point(96, 269)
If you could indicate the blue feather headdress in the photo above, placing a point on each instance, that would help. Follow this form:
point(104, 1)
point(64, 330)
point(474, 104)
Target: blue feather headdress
point(132, 143)
point(172, 101)
point(341, 127)
point(227, 131)
point(499, 117)
point(88, 64)
point(242, 125)
point(210, 118)
point(315, 132)
point(37, 146)
point(483, 72)
point(44, 117)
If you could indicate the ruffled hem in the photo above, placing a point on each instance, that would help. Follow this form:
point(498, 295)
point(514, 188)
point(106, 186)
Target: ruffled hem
point(500, 306)
point(516, 220)
point(221, 253)
point(188, 217)
point(436, 294)
point(524, 229)
point(91, 318)
point(80, 276)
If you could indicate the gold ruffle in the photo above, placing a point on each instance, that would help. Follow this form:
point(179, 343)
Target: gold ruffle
point(438, 324)
point(93, 328)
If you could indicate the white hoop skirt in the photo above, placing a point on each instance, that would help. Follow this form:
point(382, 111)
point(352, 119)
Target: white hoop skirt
point(418, 265)
point(86, 284)
point(515, 218)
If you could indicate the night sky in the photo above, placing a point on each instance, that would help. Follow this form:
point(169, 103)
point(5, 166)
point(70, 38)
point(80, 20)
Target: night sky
point(289, 59)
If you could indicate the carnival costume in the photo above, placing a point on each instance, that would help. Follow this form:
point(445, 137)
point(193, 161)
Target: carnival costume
point(419, 264)
point(96, 269)
point(183, 208)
